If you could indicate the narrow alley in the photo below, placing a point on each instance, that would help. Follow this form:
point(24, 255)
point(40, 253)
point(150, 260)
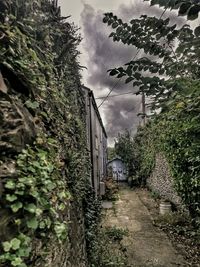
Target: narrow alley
point(145, 244)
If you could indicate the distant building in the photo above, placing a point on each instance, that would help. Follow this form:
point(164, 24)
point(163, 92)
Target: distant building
point(118, 169)
point(96, 141)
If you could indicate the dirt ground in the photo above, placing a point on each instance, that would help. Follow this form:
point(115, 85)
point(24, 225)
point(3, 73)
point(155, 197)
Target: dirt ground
point(146, 245)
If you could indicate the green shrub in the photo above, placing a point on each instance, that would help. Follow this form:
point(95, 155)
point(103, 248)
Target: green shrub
point(112, 189)
point(109, 250)
point(175, 133)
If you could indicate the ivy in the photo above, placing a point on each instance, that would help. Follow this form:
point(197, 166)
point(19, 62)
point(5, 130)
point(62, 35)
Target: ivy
point(38, 54)
point(37, 198)
point(174, 132)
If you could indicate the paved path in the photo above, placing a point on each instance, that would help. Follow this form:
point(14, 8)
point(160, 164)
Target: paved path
point(146, 245)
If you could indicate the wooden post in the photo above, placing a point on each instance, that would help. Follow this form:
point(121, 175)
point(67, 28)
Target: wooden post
point(143, 110)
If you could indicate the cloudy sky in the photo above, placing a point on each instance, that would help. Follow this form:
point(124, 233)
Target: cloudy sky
point(99, 53)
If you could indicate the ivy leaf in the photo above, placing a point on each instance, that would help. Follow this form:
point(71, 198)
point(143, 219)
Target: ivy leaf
point(11, 198)
point(25, 239)
point(193, 12)
point(16, 206)
point(31, 208)
point(61, 230)
point(24, 252)
point(32, 104)
point(10, 185)
point(6, 246)
point(32, 223)
point(42, 225)
point(15, 243)
point(17, 262)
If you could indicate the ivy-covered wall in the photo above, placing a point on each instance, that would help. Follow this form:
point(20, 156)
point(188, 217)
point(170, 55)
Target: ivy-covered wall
point(161, 182)
point(175, 133)
point(44, 163)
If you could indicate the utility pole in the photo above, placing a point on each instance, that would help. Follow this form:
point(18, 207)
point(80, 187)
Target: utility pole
point(143, 110)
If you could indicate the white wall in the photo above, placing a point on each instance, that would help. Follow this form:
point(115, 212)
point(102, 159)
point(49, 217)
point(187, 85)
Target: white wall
point(118, 170)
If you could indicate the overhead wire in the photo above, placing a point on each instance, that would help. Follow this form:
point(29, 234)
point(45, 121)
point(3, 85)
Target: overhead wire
point(109, 92)
point(138, 50)
point(115, 84)
point(128, 93)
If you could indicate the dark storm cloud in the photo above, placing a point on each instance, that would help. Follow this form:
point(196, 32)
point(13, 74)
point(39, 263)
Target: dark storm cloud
point(123, 117)
point(103, 54)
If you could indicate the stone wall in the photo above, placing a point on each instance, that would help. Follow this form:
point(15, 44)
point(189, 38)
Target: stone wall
point(44, 162)
point(161, 181)
point(18, 129)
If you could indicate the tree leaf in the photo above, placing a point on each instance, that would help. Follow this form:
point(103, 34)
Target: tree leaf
point(105, 19)
point(184, 9)
point(114, 25)
point(129, 71)
point(112, 34)
point(137, 75)
point(113, 72)
point(197, 31)
point(129, 79)
point(154, 2)
point(136, 83)
point(193, 12)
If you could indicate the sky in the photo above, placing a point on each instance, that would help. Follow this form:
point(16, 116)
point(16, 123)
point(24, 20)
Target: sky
point(99, 53)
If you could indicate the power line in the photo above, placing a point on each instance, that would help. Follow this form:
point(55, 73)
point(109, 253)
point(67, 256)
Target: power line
point(116, 83)
point(128, 93)
point(110, 92)
point(138, 50)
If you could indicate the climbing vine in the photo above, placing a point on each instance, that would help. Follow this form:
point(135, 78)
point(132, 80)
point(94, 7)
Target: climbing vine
point(39, 63)
point(174, 132)
point(36, 198)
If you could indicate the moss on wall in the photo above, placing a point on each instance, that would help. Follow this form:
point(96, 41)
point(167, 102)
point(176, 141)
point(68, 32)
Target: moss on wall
point(44, 168)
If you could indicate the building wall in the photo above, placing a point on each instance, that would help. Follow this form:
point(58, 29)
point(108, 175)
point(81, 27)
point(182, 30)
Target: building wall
point(118, 170)
point(97, 142)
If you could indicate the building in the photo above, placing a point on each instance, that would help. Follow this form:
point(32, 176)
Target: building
point(96, 141)
point(118, 169)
